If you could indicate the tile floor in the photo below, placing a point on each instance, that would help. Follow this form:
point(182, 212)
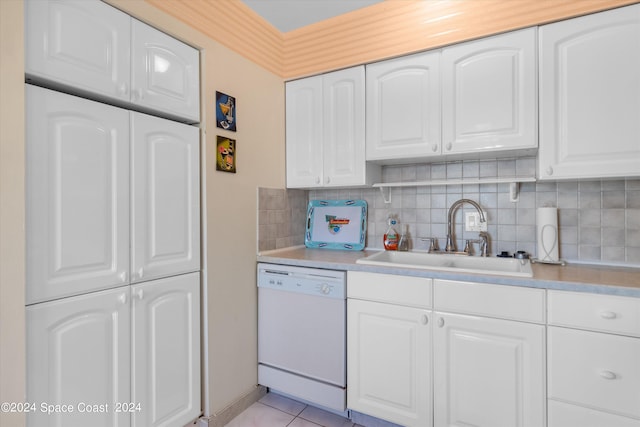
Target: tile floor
point(274, 410)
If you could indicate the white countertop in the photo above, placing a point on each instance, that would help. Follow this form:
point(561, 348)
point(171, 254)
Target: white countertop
point(580, 278)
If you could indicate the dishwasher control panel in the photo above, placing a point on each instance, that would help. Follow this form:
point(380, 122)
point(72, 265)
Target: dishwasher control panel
point(310, 281)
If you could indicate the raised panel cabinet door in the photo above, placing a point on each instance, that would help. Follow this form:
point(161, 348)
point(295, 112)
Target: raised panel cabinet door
point(489, 99)
point(84, 44)
point(344, 129)
point(165, 194)
point(488, 372)
point(596, 370)
point(389, 362)
point(165, 73)
point(590, 96)
point(304, 123)
point(78, 355)
point(403, 107)
point(166, 351)
point(77, 179)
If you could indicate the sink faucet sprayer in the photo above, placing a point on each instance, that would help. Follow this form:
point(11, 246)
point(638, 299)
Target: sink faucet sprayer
point(451, 247)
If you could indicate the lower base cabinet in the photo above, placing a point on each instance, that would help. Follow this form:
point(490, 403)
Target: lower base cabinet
point(488, 372)
point(124, 357)
point(471, 355)
point(389, 347)
point(79, 354)
point(594, 379)
point(593, 352)
point(389, 369)
point(165, 368)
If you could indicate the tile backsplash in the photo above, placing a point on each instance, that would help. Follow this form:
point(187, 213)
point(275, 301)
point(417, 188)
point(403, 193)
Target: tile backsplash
point(599, 221)
point(281, 217)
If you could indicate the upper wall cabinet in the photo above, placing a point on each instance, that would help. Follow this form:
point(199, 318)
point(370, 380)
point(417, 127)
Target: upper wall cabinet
point(489, 94)
point(164, 73)
point(590, 96)
point(304, 132)
point(90, 48)
point(403, 107)
point(325, 131)
point(476, 97)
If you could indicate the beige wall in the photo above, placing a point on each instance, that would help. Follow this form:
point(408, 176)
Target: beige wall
point(12, 240)
point(229, 203)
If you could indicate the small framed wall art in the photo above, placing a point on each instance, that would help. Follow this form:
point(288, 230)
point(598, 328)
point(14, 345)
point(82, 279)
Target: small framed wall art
point(225, 111)
point(225, 154)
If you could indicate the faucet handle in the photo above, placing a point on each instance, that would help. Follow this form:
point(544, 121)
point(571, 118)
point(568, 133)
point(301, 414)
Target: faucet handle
point(433, 243)
point(467, 245)
point(484, 243)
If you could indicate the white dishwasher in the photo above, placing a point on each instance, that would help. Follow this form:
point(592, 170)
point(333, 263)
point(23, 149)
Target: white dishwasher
point(302, 333)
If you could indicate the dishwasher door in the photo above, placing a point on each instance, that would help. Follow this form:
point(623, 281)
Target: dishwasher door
point(302, 334)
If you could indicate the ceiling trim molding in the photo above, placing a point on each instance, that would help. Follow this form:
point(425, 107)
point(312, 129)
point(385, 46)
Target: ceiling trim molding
point(380, 31)
point(234, 25)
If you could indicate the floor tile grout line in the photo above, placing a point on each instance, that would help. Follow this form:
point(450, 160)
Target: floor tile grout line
point(319, 425)
point(278, 407)
point(288, 413)
point(295, 417)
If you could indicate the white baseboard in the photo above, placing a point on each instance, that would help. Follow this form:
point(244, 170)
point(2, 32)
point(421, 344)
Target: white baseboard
point(223, 417)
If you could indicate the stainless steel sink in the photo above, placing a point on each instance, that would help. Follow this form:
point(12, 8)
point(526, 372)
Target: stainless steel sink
point(446, 262)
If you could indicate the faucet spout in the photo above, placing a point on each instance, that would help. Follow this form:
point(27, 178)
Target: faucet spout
point(450, 246)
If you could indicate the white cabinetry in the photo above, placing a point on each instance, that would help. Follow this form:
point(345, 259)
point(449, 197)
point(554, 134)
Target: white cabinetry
point(593, 353)
point(489, 94)
point(489, 372)
point(488, 346)
point(304, 132)
point(91, 48)
point(138, 344)
point(165, 373)
point(78, 186)
point(389, 347)
point(165, 195)
point(165, 73)
point(77, 195)
point(325, 131)
point(112, 198)
point(97, 61)
point(489, 362)
point(590, 96)
point(473, 98)
point(84, 160)
point(79, 352)
point(403, 107)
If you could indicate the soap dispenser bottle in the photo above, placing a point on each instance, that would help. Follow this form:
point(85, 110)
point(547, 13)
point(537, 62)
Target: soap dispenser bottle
point(391, 236)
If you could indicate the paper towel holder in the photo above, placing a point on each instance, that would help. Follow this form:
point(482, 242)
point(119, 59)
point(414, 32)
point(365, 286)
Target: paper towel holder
point(547, 236)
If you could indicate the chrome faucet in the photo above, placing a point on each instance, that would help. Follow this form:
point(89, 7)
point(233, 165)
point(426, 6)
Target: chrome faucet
point(450, 246)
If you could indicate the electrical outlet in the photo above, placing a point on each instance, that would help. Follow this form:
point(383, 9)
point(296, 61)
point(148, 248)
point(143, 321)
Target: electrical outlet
point(472, 222)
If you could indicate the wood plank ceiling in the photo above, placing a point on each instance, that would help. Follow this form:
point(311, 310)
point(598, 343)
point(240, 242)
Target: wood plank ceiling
point(380, 31)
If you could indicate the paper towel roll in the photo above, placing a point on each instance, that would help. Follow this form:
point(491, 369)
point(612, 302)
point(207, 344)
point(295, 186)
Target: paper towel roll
point(547, 234)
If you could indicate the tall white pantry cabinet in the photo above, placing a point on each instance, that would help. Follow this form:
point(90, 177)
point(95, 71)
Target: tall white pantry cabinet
point(113, 220)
